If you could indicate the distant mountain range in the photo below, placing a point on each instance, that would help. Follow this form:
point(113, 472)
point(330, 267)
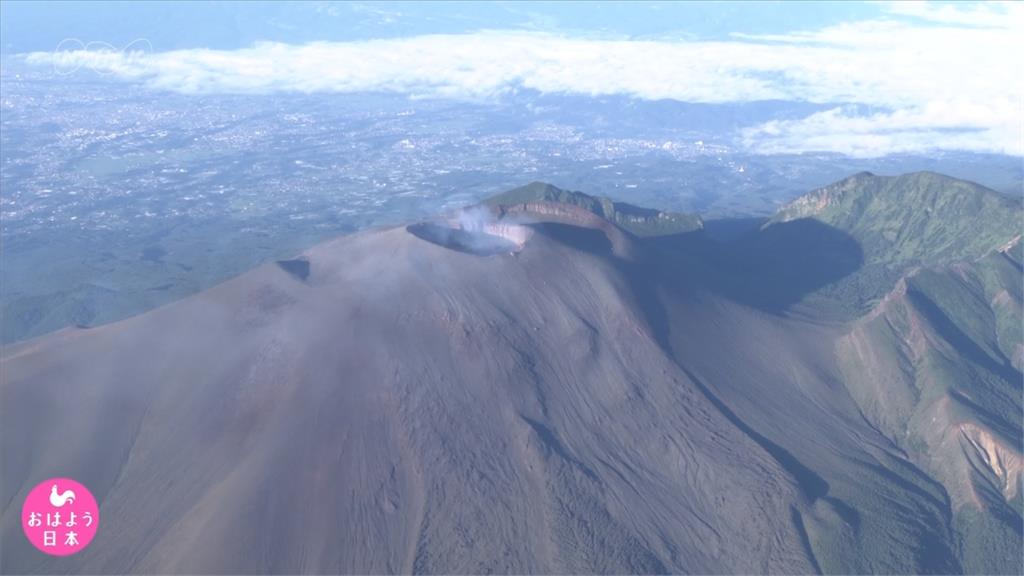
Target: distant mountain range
point(552, 382)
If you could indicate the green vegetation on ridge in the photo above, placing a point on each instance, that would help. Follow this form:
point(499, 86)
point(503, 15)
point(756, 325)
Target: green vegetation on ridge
point(643, 222)
point(908, 221)
point(913, 219)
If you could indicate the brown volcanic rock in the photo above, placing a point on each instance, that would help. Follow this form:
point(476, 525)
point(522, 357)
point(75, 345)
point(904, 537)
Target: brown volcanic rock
point(406, 408)
point(584, 401)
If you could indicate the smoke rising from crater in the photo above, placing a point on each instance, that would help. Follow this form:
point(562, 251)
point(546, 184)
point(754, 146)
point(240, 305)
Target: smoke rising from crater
point(475, 230)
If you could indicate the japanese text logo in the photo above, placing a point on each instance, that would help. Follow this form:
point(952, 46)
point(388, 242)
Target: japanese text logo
point(60, 516)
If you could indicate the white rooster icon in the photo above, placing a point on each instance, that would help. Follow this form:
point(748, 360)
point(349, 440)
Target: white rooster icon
point(60, 499)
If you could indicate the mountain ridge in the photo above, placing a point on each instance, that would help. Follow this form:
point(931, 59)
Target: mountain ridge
point(905, 222)
point(642, 222)
point(912, 218)
point(574, 400)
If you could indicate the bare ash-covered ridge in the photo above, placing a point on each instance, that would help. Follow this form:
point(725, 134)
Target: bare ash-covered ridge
point(403, 408)
point(525, 387)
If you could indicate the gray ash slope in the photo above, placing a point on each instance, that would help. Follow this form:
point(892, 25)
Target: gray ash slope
point(586, 401)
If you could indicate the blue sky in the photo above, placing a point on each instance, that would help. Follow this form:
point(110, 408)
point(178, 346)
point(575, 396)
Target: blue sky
point(40, 26)
point(887, 77)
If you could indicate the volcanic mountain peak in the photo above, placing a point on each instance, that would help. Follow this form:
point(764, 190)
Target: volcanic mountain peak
point(922, 217)
point(405, 400)
point(643, 222)
point(475, 230)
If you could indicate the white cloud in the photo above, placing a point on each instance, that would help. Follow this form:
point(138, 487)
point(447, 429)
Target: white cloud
point(947, 77)
point(987, 14)
point(935, 126)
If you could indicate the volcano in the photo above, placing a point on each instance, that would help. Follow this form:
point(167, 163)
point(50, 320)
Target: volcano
point(539, 387)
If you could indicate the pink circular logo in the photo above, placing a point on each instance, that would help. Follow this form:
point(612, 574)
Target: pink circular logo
point(60, 517)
